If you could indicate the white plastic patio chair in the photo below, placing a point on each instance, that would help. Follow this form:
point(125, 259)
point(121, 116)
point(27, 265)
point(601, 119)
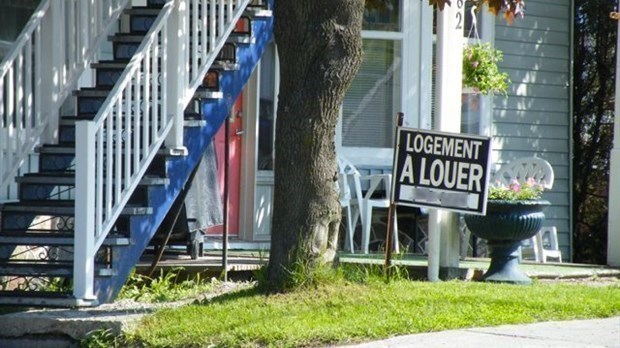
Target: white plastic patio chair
point(548, 236)
point(541, 171)
point(524, 168)
point(350, 197)
point(377, 196)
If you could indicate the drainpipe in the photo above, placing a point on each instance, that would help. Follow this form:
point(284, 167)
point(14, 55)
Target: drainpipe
point(443, 240)
point(613, 229)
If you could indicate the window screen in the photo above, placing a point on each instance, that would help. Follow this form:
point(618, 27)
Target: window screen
point(369, 106)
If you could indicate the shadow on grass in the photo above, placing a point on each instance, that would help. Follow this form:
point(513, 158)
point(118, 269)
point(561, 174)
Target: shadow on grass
point(232, 296)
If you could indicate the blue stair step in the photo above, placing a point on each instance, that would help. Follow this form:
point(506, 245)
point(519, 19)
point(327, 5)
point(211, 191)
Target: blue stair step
point(41, 299)
point(56, 158)
point(68, 179)
point(15, 215)
point(142, 18)
point(66, 131)
point(54, 218)
point(47, 268)
point(124, 45)
point(55, 239)
point(226, 59)
point(107, 73)
point(29, 268)
point(243, 32)
point(61, 159)
point(204, 93)
point(90, 100)
point(47, 208)
point(61, 187)
point(258, 8)
point(156, 3)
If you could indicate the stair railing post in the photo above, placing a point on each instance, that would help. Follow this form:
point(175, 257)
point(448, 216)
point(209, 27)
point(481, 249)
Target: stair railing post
point(52, 74)
point(176, 75)
point(84, 225)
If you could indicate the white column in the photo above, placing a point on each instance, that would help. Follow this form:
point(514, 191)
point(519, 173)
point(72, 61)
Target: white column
point(176, 74)
point(443, 225)
point(53, 47)
point(84, 239)
point(613, 229)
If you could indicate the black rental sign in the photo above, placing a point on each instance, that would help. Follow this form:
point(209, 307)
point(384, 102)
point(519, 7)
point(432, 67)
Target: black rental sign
point(441, 170)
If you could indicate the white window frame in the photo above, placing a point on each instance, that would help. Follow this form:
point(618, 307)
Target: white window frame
point(415, 37)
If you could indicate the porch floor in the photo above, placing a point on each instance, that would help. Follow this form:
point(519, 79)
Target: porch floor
point(472, 268)
point(241, 264)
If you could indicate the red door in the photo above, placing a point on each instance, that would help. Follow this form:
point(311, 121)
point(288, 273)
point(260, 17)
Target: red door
point(234, 157)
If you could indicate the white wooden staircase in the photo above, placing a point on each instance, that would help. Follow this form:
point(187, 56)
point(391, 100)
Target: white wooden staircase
point(84, 193)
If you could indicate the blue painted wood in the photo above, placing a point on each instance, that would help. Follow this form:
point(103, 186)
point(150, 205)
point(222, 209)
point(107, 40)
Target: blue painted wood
point(196, 140)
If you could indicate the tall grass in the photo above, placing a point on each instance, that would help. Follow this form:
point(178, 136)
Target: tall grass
point(169, 286)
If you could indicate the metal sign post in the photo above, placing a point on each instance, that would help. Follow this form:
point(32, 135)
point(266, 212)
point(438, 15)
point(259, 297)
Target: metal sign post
point(391, 210)
point(226, 194)
point(613, 229)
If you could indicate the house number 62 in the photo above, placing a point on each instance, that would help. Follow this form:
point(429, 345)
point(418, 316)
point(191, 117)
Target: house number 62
point(459, 15)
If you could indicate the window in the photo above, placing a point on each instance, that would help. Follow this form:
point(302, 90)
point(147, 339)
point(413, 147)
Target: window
point(384, 16)
point(267, 109)
point(374, 97)
point(370, 106)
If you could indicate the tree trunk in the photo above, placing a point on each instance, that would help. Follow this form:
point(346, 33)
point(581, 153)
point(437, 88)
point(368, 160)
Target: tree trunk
point(320, 49)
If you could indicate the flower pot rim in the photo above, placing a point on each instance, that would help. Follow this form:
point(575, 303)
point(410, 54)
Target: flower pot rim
point(520, 201)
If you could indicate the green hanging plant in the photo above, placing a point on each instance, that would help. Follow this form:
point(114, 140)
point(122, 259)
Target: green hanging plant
point(480, 69)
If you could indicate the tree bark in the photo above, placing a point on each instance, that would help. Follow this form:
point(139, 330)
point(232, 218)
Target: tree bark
point(320, 49)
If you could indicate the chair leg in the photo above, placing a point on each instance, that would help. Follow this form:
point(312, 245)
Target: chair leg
point(350, 229)
point(355, 216)
point(366, 225)
point(539, 248)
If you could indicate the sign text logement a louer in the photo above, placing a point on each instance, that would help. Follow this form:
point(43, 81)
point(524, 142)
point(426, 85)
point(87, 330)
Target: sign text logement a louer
point(441, 170)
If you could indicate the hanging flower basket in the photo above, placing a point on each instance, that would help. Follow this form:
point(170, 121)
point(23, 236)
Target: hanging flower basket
point(480, 70)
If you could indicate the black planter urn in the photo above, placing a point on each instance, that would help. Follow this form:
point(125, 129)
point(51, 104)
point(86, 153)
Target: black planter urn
point(504, 226)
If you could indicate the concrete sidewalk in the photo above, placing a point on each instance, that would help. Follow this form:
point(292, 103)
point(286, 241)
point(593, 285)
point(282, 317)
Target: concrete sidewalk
point(564, 334)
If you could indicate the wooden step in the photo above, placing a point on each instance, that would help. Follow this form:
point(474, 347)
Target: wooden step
point(109, 64)
point(47, 268)
point(91, 92)
point(68, 179)
point(258, 11)
point(203, 93)
point(42, 299)
point(27, 268)
point(126, 38)
point(142, 10)
point(50, 239)
point(59, 209)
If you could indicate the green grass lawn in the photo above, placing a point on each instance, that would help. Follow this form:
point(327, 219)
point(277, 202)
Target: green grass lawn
point(345, 312)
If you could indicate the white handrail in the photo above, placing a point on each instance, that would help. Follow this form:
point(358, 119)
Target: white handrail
point(118, 145)
point(50, 54)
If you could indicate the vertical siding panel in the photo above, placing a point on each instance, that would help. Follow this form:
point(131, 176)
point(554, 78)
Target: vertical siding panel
point(537, 58)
